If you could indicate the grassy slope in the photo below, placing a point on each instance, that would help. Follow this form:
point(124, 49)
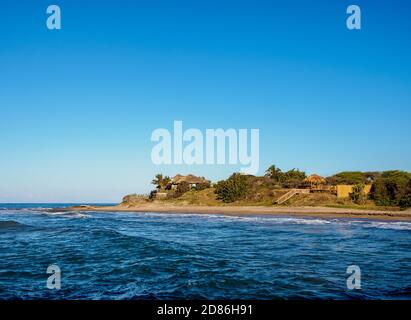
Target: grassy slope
point(260, 196)
point(330, 200)
point(267, 197)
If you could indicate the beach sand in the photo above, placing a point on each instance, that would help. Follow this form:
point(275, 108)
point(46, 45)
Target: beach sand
point(325, 212)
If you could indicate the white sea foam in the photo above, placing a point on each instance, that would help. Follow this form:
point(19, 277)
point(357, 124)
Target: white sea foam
point(56, 213)
point(391, 225)
point(68, 214)
point(279, 220)
point(395, 225)
point(255, 219)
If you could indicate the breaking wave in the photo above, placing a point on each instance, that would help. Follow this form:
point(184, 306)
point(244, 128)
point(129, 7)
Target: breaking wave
point(391, 225)
point(11, 224)
point(68, 214)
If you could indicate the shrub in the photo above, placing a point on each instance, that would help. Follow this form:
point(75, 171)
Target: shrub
point(358, 195)
point(391, 189)
point(405, 202)
point(348, 177)
point(202, 186)
point(233, 189)
point(290, 179)
point(293, 178)
point(182, 188)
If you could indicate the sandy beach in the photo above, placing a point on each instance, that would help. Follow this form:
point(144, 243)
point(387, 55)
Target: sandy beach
point(325, 212)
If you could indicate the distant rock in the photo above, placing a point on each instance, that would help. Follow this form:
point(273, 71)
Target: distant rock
point(132, 200)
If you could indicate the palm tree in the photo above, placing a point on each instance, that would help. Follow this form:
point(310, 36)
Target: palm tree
point(157, 180)
point(166, 181)
point(160, 181)
point(273, 172)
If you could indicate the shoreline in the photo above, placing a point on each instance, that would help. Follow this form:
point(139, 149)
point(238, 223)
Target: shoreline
point(322, 212)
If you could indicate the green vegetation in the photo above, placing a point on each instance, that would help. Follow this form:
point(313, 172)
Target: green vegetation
point(160, 181)
point(233, 189)
point(290, 179)
point(353, 177)
point(274, 174)
point(206, 197)
point(202, 186)
point(405, 201)
point(392, 188)
point(358, 195)
point(182, 188)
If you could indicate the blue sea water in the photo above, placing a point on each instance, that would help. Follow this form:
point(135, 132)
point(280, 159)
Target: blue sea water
point(187, 256)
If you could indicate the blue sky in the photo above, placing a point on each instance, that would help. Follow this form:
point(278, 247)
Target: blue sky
point(78, 105)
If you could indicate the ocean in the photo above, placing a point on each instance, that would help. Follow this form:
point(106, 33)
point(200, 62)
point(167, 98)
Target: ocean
point(190, 256)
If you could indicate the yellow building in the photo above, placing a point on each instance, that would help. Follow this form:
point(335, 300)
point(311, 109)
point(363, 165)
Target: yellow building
point(344, 190)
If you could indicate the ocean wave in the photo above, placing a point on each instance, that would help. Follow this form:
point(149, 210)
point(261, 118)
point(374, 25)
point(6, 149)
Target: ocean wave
point(394, 225)
point(258, 219)
point(243, 218)
point(213, 256)
point(398, 225)
point(68, 214)
point(11, 224)
point(279, 220)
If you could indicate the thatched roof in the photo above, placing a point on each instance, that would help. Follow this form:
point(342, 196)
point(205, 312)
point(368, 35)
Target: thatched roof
point(188, 178)
point(176, 178)
point(315, 179)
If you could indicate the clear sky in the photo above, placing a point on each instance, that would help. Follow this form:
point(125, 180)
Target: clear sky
point(78, 105)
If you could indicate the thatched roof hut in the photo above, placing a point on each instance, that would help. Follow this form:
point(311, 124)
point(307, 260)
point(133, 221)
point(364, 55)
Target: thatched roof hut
point(191, 179)
point(315, 179)
point(176, 178)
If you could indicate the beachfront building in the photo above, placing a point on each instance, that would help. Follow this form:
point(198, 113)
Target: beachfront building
point(316, 183)
point(314, 180)
point(344, 190)
point(191, 180)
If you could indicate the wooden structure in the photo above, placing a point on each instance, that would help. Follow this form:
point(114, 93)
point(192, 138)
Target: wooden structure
point(344, 190)
point(192, 180)
point(316, 183)
point(290, 194)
